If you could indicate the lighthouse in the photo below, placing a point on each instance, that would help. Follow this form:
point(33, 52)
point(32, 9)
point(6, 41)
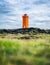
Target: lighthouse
point(25, 21)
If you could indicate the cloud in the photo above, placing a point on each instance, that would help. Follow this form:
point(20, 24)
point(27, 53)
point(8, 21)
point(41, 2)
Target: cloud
point(11, 12)
point(11, 1)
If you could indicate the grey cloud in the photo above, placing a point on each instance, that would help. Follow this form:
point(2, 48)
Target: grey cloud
point(41, 2)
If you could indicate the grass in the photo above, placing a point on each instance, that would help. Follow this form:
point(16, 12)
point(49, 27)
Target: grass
point(34, 51)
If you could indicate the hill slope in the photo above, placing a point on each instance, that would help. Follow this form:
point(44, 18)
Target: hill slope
point(24, 31)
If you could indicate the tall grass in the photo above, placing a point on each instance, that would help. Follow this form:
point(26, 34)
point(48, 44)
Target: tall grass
point(25, 52)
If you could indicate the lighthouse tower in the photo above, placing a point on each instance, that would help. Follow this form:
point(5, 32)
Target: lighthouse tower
point(25, 21)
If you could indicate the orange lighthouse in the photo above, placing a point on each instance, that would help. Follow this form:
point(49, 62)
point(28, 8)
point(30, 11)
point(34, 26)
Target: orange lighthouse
point(25, 21)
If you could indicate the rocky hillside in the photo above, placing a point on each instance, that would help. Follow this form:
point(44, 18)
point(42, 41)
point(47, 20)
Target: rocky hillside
point(24, 31)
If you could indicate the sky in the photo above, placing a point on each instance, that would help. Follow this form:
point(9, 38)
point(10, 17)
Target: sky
point(11, 12)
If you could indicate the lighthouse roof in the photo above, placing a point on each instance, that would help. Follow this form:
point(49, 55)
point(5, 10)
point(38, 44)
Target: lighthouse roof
point(25, 14)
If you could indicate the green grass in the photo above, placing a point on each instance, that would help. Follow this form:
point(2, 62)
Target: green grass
point(25, 52)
